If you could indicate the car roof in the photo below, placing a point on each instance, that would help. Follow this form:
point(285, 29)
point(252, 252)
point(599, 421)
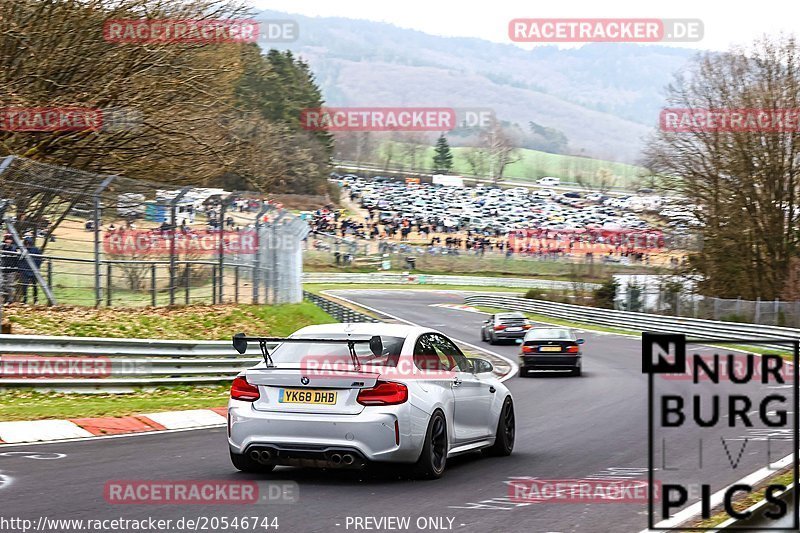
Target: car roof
point(550, 328)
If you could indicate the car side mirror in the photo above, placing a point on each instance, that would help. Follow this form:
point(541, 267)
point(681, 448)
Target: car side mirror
point(580, 341)
point(376, 345)
point(240, 343)
point(480, 366)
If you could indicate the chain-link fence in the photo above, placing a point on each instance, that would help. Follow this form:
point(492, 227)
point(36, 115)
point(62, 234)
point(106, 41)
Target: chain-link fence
point(72, 237)
point(678, 296)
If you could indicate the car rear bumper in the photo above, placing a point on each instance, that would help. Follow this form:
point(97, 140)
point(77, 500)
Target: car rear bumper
point(549, 362)
point(509, 335)
point(370, 436)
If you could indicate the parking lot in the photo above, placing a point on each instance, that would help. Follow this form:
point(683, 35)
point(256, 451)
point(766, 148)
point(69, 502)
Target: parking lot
point(535, 221)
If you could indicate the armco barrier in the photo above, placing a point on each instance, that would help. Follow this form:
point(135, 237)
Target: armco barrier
point(132, 362)
point(415, 278)
point(694, 327)
point(338, 311)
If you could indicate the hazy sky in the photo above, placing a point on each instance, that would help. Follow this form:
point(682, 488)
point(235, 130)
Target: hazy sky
point(725, 23)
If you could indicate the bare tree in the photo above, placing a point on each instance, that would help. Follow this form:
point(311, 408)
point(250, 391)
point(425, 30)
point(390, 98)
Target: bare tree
point(53, 54)
point(413, 145)
point(743, 183)
point(476, 159)
point(500, 152)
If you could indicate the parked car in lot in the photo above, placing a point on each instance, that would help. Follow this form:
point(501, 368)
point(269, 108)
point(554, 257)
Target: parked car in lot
point(550, 349)
point(349, 395)
point(504, 327)
point(548, 181)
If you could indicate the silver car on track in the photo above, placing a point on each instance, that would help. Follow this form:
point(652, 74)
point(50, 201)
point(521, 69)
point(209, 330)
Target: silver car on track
point(348, 395)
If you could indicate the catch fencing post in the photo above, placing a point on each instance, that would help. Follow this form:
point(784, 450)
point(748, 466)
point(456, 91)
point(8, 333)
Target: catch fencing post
point(173, 205)
point(153, 293)
point(223, 207)
point(108, 284)
point(213, 284)
point(236, 284)
point(98, 296)
point(256, 271)
point(186, 284)
point(273, 275)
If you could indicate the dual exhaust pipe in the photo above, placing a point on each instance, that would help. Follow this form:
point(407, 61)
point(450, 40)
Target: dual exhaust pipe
point(336, 459)
point(345, 459)
point(261, 456)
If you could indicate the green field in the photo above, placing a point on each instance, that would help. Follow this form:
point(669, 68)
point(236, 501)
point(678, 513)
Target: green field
point(533, 165)
point(490, 265)
point(26, 404)
point(193, 322)
point(201, 322)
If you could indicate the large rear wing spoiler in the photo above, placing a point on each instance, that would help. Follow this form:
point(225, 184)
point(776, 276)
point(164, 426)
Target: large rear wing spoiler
point(240, 341)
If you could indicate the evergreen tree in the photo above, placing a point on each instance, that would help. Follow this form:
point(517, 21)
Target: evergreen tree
point(443, 157)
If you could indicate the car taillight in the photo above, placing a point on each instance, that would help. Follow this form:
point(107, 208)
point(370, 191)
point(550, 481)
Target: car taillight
point(242, 390)
point(527, 326)
point(573, 349)
point(499, 328)
point(383, 393)
point(527, 349)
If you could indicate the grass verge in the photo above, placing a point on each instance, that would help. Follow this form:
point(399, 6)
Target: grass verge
point(200, 322)
point(192, 322)
point(317, 288)
point(26, 404)
point(784, 478)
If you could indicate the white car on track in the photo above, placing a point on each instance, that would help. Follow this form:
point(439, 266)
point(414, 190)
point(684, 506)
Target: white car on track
point(348, 395)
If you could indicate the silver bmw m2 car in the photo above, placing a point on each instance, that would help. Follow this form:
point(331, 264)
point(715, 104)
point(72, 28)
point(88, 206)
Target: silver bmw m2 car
point(348, 395)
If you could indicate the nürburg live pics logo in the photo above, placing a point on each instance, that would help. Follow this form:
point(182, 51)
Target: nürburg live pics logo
point(722, 433)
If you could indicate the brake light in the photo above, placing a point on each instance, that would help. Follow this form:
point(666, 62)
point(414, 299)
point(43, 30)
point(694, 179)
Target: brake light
point(242, 390)
point(527, 326)
point(527, 349)
point(501, 327)
point(383, 393)
point(573, 349)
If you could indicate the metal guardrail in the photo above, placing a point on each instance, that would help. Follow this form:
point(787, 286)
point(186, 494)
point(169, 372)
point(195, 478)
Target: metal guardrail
point(441, 279)
point(42, 361)
point(708, 329)
point(116, 362)
point(338, 311)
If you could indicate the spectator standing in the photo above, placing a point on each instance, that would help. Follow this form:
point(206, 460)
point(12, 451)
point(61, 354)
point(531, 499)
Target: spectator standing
point(27, 276)
point(9, 262)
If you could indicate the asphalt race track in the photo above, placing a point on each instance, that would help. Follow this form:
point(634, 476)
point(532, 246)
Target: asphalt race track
point(593, 426)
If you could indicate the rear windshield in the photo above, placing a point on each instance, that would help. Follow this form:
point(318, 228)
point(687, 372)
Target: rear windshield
point(549, 333)
point(337, 354)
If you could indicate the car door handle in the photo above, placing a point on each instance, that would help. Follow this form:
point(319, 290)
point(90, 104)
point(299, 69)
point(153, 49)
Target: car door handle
point(492, 389)
point(456, 382)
